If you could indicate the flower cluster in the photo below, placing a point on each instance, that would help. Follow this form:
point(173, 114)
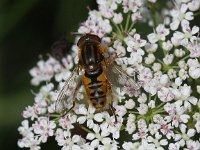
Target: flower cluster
point(163, 56)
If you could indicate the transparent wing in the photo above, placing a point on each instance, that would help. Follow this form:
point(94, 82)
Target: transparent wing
point(119, 78)
point(67, 94)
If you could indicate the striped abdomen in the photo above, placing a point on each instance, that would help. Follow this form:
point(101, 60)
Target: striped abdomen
point(96, 86)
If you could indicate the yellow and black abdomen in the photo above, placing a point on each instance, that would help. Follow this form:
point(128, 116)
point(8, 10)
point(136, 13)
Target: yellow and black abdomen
point(96, 86)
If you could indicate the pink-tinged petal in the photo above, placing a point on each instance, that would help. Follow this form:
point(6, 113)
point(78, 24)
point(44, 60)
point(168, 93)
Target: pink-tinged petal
point(166, 32)
point(189, 16)
point(184, 8)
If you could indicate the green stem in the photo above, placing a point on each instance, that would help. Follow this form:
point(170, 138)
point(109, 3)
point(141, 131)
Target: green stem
point(197, 13)
point(127, 21)
point(187, 56)
point(121, 27)
point(53, 115)
point(85, 129)
point(116, 26)
point(133, 112)
point(131, 26)
point(160, 105)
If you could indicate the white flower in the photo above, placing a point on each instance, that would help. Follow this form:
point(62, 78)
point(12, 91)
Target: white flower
point(184, 136)
point(66, 121)
point(30, 112)
point(130, 145)
point(145, 75)
point(153, 128)
point(68, 142)
point(188, 34)
point(150, 59)
point(165, 94)
point(108, 145)
point(194, 5)
point(131, 126)
point(130, 104)
point(167, 130)
point(44, 128)
point(158, 142)
point(120, 110)
point(156, 67)
point(135, 43)
point(25, 130)
point(176, 114)
point(179, 52)
point(142, 109)
point(180, 15)
point(164, 79)
point(167, 46)
point(132, 5)
point(118, 18)
point(146, 146)
point(194, 48)
point(151, 47)
point(100, 134)
point(168, 59)
point(160, 34)
point(174, 146)
point(194, 72)
point(195, 145)
point(32, 143)
point(88, 115)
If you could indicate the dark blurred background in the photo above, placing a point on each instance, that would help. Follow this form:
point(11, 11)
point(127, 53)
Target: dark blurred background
point(28, 28)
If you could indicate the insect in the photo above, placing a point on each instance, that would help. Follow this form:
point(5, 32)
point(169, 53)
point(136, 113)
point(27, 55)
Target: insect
point(101, 76)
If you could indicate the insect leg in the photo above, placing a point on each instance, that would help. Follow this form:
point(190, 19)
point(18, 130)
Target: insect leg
point(113, 112)
point(111, 107)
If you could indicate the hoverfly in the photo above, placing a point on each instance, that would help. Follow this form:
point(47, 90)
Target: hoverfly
point(100, 76)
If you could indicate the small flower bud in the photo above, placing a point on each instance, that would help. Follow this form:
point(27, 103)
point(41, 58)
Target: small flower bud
point(151, 48)
point(179, 53)
point(167, 46)
point(150, 59)
point(156, 67)
point(178, 81)
point(168, 59)
point(117, 18)
point(164, 79)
